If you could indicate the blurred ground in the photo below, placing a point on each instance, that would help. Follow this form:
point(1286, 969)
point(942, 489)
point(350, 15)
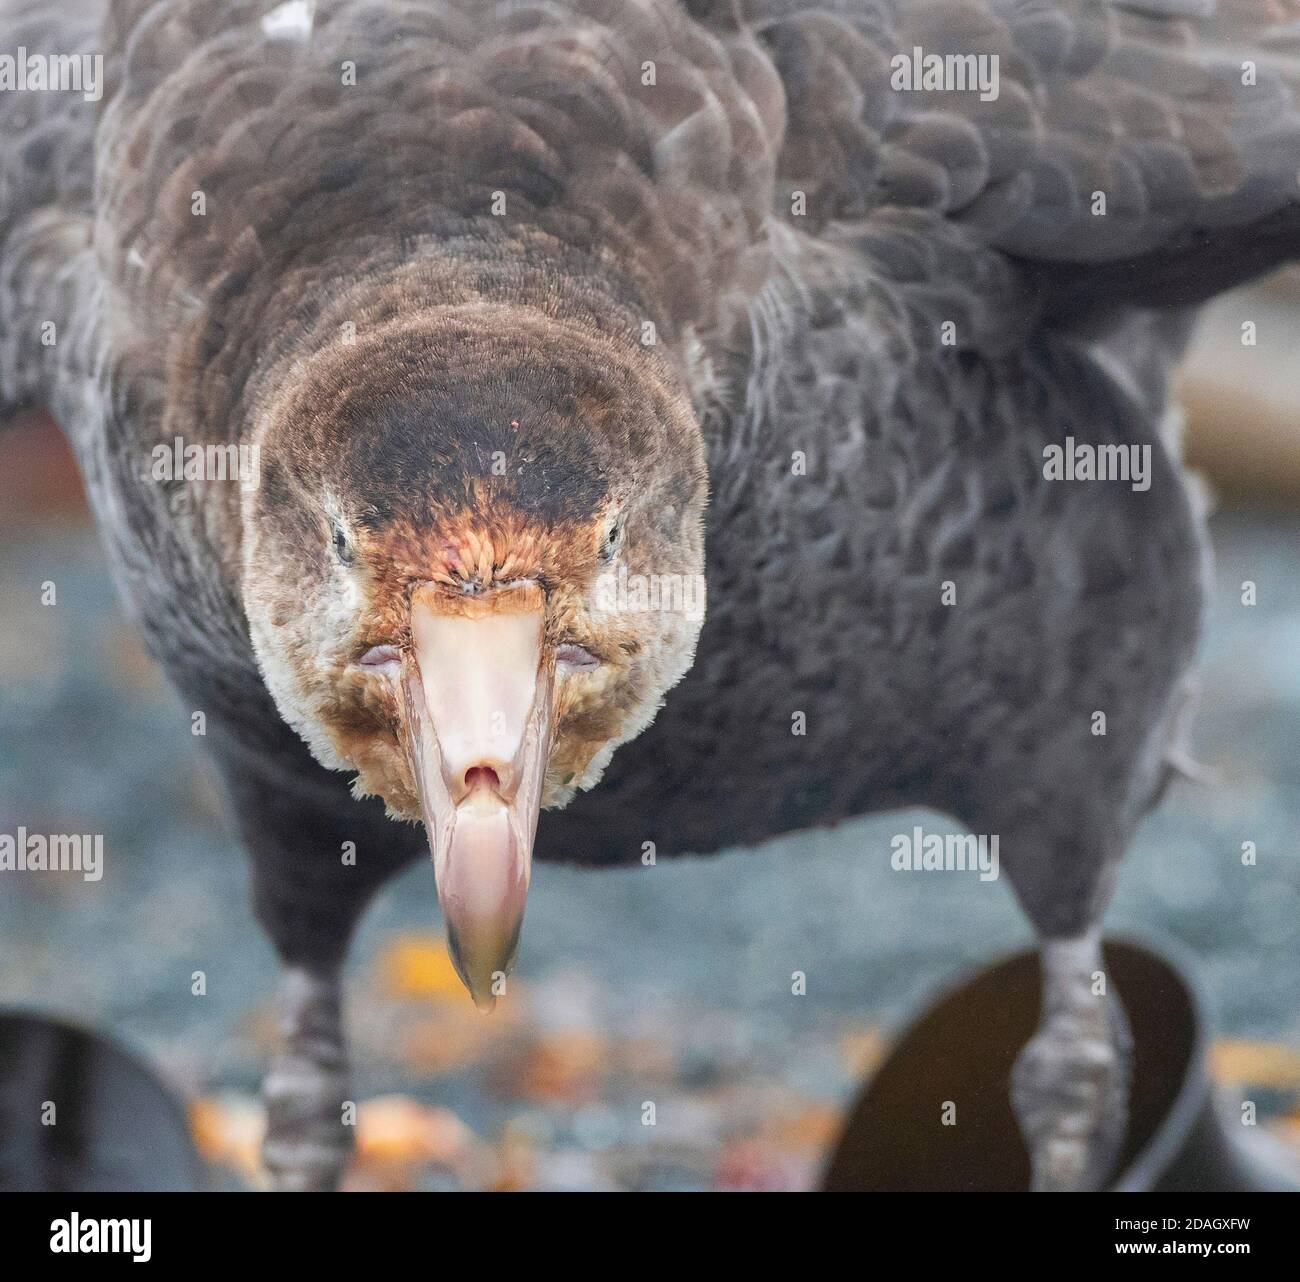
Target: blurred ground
point(668, 986)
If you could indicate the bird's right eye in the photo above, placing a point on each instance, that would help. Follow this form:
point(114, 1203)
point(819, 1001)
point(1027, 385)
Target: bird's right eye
point(342, 548)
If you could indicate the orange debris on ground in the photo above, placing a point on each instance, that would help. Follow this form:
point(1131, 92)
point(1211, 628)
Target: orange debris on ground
point(1271, 1064)
point(228, 1130)
point(418, 966)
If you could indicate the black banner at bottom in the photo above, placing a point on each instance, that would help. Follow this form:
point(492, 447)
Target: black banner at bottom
point(143, 1231)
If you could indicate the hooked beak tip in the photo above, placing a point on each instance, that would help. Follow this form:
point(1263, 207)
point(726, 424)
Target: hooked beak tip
point(483, 963)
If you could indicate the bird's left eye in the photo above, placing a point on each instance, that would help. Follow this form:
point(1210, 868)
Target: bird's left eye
point(342, 548)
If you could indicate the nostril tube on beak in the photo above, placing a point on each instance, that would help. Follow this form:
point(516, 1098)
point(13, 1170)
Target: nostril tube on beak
point(482, 779)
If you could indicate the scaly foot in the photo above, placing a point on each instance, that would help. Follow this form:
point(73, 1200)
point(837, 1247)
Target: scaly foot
point(307, 1144)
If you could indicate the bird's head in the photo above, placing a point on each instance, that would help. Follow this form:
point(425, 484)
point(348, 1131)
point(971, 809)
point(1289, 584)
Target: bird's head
point(473, 567)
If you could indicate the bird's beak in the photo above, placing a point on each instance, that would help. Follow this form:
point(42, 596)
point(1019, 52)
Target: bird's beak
point(478, 691)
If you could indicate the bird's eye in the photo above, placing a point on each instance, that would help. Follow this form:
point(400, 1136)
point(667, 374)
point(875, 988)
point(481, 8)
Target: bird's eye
point(610, 546)
point(571, 657)
point(342, 548)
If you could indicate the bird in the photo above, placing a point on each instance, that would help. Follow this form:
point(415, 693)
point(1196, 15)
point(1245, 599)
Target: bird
point(589, 431)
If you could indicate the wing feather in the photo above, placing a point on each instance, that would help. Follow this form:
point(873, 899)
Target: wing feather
point(47, 317)
point(1142, 132)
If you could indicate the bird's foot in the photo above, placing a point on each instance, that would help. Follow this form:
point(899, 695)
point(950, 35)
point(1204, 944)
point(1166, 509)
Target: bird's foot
point(307, 1142)
point(1069, 1086)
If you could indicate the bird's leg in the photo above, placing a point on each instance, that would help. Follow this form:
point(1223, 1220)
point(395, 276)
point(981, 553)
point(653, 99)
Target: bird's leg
point(1069, 1086)
point(307, 1143)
